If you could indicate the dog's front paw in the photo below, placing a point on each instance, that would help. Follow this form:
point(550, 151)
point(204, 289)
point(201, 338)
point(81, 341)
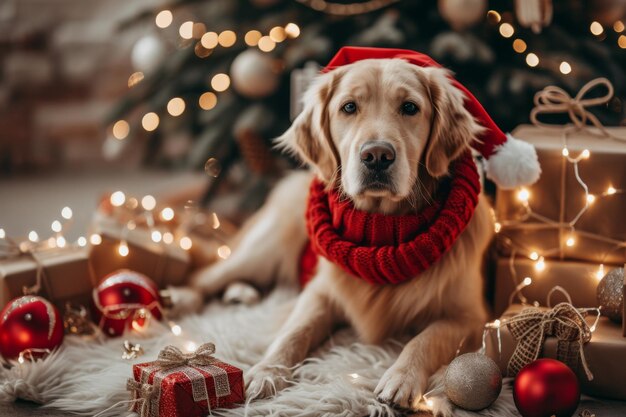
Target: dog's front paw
point(402, 386)
point(266, 380)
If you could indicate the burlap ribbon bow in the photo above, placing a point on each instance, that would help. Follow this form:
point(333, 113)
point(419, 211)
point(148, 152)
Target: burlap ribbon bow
point(172, 357)
point(553, 99)
point(144, 394)
point(533, 325)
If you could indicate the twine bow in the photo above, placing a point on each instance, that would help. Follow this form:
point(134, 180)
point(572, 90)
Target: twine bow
point(532, 325)
point(172, 357)
point(143, 393)
point(554, 99)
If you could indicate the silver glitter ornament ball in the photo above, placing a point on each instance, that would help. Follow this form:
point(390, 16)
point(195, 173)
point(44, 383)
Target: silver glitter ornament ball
point(473, 381)
point(610, 294)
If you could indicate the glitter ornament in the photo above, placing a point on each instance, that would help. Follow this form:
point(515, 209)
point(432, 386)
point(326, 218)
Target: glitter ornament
point(545, 388)
point(125, 299)
point(473, 381)
point(610, 294)
point(29, 324)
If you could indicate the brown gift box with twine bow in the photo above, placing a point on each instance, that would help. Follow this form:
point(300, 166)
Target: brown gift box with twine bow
point(559, 196)
point(181, 384)
point(66, 276)
point(604, 354)
point(165, 264)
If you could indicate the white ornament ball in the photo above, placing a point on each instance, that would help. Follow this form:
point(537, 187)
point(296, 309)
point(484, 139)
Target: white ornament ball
point(254, 74)
point(473, 381)
point(462, 14)
point(147, 54)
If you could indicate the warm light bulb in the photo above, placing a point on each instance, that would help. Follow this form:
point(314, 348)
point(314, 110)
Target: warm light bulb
point(277, 34)
point(565, 68)
point(190, 346)
point(591, 198)
point(354, 376)
point(148, 202)
point(565, 152)
point(610, 190)
point(523, 195)
point(596, 28)
point(186, 30)
point(176, 106)
point(533, 256)
point(122, 249)
point(168, 238)
point(185, 243)
point(156, 236)
point(33, 236)
point(60, 241)
point(220, 82)
point(216, 221)
point(292, 30)
point(532, 60)
point(227, 38)
point(164, 19)
point(497, 227)
point(167, 214)
point(266, 44)
point(519, 46)
point(207, 101)
point(2, 234)
point(95, 239)
point(506, 30)
point(618, 26)
point(121, 128)
point(56, 226)
point(150, 121)
point(430, 403)
point(67, 213)
point(252, 37)
point(570, 241)
point(497, 323)
point(586, 154)
point(117, 199)
point(527, 281)
point(540, 265)
point(600, 272)
point(176, 329)
point(223, 252)
point(82, 242)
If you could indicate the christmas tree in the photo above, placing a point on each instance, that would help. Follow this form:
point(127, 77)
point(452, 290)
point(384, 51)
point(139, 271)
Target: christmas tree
point(216, 80)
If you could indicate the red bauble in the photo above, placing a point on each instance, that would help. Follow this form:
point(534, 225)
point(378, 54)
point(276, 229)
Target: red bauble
point(546, 387)
point(123, 299)
point(29, 322)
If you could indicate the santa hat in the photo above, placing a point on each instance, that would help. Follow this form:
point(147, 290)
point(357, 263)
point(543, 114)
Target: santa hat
point(509, 163)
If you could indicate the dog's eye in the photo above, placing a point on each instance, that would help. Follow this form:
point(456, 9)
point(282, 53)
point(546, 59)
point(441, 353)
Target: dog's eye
point(349, 107)
point(409, 108)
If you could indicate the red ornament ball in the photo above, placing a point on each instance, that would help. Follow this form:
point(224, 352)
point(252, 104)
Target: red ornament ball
point(125, 299)
point(29, 322)
point(546, 387)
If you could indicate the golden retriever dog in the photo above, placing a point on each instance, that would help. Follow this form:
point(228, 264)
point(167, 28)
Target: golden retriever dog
point(413, 118)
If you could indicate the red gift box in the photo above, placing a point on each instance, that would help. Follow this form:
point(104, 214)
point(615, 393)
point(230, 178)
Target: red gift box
point(188, 390)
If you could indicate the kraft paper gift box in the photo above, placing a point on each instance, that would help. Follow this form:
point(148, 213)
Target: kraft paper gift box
point(165, 264)
point(604, 353)
point(558, 192)
point(67, 276)
point(579, 279)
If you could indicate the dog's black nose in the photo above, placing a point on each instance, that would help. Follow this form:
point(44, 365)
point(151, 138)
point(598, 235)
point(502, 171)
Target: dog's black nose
point(377, 155)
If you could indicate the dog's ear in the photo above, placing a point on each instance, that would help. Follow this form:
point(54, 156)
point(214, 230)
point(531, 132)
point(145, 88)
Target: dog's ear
point(452, 127)
point(309, 136)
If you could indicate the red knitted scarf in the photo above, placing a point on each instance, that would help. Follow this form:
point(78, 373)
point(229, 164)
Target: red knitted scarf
point(386, 249)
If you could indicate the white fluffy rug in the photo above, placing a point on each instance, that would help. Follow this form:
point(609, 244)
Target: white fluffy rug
point(86, 377)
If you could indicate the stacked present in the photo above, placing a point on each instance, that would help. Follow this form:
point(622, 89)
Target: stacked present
point(565, 232)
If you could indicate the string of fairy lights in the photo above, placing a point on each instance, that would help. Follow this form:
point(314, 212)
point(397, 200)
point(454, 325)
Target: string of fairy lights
point(205, 43)
point(507, 30)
